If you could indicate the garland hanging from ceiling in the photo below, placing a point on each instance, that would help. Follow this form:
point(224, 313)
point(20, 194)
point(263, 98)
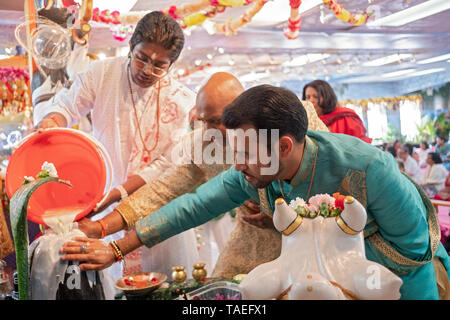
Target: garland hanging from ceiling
point(294, 21)
point(201, 11)
point(391, 102)
point(231, 26)
point(344, 15)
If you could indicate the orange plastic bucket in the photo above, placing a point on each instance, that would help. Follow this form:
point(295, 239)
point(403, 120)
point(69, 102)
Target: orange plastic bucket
point(77, 158)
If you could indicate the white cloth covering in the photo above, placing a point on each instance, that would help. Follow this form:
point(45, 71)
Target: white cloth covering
point(48, 270)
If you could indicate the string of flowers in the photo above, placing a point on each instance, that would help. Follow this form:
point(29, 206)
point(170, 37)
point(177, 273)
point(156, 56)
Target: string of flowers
point(295, 19)
point(319, 205)
point(218, 6)
point(178, 13)
point(391, 102)
point(344, 15)
point(105, 16)
point(14, 91)
point(230, 27)
point(200, 17)
point(188, 72)
point(13, 74)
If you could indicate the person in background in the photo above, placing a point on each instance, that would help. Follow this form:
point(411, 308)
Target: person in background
point(337, 118)
point(416, 157)
point(395, 147)
point(443, 148)
point(435, 175)
point(411, 167)
point(444, 194)
point(423, 151)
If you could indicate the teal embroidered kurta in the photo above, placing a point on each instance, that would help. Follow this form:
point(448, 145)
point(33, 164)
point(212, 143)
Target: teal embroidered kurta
point(401, 233)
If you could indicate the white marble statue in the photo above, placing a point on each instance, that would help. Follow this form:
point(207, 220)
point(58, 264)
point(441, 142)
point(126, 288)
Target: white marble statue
point(321, 257)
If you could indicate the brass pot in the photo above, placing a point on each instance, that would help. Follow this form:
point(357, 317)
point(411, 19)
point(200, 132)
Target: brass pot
point(178, 274)
point(199, 272)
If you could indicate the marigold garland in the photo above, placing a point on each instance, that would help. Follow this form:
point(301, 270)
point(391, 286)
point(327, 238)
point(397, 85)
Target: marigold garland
point(345, 15)
point(391, 102)
point(14, 91)
point(230, 27)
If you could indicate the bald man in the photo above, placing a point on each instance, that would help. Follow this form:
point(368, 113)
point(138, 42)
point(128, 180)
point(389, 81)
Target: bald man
point(253, 240)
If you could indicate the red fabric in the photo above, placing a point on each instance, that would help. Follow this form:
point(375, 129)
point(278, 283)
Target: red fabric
point(438, 197)
point(347, 121)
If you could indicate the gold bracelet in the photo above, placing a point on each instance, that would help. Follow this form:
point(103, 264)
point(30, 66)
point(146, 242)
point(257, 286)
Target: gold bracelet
point(117, 252)
point(116, 255)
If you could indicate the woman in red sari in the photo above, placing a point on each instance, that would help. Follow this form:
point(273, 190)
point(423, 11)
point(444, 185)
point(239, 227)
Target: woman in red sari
point(338, 119)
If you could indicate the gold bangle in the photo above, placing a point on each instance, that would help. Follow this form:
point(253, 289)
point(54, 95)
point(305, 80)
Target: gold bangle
point(293, 226)
point(117, 251)
point(116, 255)
point(344, 227)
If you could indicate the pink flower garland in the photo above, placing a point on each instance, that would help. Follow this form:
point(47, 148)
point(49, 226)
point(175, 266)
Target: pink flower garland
point(13, 74)
point(294, 22)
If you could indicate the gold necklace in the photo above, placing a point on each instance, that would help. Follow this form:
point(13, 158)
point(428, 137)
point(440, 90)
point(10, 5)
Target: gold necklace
point(310, 184)
point(143, 112)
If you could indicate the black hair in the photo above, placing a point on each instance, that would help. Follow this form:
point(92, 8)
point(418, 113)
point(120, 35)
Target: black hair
point(392, 151)
point(324, 90)
point(58, 15)
point(268, 107)
point(425, 144)
point(408, 148)
point(401, 164)
point(155, 27)
point(442, 138)
point(435, 157)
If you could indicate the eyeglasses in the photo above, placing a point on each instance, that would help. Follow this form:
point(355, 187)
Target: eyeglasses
point(142, 64)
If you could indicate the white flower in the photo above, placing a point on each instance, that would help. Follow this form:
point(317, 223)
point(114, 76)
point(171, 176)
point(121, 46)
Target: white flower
point(298, 202)
point(29, 179)
point(50, 168)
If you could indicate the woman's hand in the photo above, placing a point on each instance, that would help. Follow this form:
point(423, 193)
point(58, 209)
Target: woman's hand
point(53, 120)
point(92, 253)
point(113, 196)
point(92, 229)
point(48, 123)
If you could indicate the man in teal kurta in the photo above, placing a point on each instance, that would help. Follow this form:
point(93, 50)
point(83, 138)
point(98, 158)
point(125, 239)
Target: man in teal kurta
point(402, 232)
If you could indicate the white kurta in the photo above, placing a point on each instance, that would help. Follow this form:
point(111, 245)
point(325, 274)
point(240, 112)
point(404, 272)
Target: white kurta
point(412, 169)
point(436, 174)
point(103, 91)
point(423, 155)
